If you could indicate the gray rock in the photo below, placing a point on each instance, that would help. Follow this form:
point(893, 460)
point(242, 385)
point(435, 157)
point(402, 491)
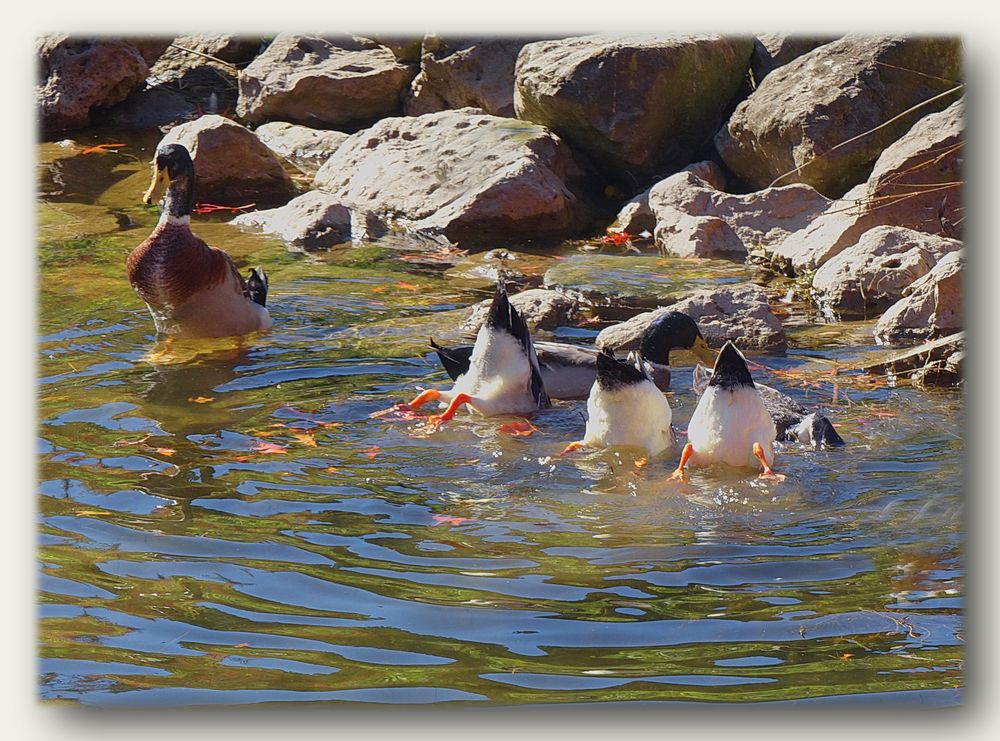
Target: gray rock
point(931, 307)
point(694, 219)
point(313, 221)
point(638, 106)
point(232, 166)
point(773, 50)
point(739, 313)
point(476, 179)
point(868, 277)
point(306, 148)
point(540, 309)
point(77, 76)
point(828, 96)
point(916, 183)
point(465, 72)
point(191, 51)
point(636, 216)
point(322, 82)
point(405, 48)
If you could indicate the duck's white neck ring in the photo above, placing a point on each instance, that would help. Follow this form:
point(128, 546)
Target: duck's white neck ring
point(184, 220)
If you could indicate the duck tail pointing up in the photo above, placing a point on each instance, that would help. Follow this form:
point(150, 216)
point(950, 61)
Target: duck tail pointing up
point(257, 286)
point(730, 369)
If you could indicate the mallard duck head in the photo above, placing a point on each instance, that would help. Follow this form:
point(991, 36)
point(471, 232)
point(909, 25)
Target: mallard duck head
point(670, 330)
point(173, 168)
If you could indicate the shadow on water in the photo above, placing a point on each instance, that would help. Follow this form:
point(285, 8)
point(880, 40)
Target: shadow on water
point(234, 528)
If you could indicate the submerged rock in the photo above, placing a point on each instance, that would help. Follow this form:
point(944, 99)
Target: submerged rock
point(485, 269)
point(305, 147)
point(540, 309)
point(638, 106)
point(694, 219)
point(868, 277)
point(313, 221)
point(916, 183)
point(77, 76)
point(232, 166)
point(322, 82)
point(479, 180)
point(739, 313)
point(465, 72)
point(830, 95)
point(931, 307)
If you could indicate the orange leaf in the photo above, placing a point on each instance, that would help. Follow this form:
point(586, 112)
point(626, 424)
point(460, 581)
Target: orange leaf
point(91, 513)
point(305, 438)
point(264, 447)
point(372, 451)
point(452, 520)
point(101, 148)
point(201, 399)
point(407, 286)
point(518, 429)
point(845, 657)
point(331, 469)
point(641, 462)
point(165, 451)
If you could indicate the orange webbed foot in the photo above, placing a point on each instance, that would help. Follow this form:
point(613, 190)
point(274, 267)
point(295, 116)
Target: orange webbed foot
point(575, 445)
point(758, 451)
point(435, 421)
point(678, 474)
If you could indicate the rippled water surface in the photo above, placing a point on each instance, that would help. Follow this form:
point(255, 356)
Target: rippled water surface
point(233, 528)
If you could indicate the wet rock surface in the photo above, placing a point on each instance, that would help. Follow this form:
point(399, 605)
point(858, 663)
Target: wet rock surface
point(931, 307)
point(313, 221)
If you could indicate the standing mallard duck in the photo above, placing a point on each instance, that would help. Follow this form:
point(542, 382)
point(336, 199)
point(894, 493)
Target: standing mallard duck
point(569, 371)
point(502, 375)
point(191, 289)
point(625, 408)
point(730, 425)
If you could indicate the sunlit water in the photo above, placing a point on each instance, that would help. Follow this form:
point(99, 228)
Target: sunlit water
point(236, 529)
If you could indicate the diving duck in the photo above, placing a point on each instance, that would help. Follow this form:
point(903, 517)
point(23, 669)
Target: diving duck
point(502, 375)
point(191, 289)
point(731, 424)
point(625, 408)
point(792, 421)
point(569, 371)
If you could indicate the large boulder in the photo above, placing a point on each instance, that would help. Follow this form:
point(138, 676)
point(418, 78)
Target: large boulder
point(313, 221)
point(738, 312)
point(870, 276)
point(694, 219)
point(232, 166)
point(465, 72)
point(773, 50)
point(638, 106)
point(474, 178)
point(636, 216)
point(931, 307)
point(205, 50)
point(791, 124)
point(77, 76)
point(323, 82)
point(916, 183)
point(306, 148)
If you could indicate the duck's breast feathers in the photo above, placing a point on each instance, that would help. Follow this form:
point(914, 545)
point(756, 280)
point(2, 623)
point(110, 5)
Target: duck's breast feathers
point(172, 265)
point(730, 369)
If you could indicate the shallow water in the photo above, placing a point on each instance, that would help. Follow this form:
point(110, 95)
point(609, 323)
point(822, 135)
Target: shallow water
point(235, 529)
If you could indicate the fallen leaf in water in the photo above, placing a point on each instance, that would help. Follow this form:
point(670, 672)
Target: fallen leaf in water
point(378, 289)
point(242, 459)
point(845, 657)
point(518, 429)
point(448, 519)
point(165, 451)
point(331, 469)
point(306, 438)
point(242, 645)
point(372, 451)
point(266, 447)
point(407, 286)
point(101, 149)
point(641, 462)
point(92, 513)
point(201, 399)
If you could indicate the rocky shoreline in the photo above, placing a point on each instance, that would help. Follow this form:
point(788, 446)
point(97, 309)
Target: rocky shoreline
point(834, 160)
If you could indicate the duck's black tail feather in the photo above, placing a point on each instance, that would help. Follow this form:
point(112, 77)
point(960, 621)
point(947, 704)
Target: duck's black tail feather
point(730, 369)
point(824, 432)
point(504, 316)
point(613, 373)
point(455, 360)
point(257, 286)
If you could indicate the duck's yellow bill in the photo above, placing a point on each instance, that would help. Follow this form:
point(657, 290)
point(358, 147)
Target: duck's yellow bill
point(160, 177)
point(704, 353)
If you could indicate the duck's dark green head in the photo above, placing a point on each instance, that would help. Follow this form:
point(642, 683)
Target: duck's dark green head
point(670, 330)
point(173, 168)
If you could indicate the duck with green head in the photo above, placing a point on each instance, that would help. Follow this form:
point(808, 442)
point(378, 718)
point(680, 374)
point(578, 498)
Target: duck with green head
point(191, 289)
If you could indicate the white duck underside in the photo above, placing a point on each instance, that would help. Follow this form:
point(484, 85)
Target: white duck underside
point(499, 376)
point(726, 424)
point(636, 415)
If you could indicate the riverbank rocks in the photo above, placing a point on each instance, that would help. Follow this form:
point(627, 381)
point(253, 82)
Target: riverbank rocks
point(694, 219)
point(465, 72)
point(773, 50)
point(232, 166)
point(636, 216)
point(77, 76)
point(638, 106)
point(836, 92)
point(739, 313)
point(541, 310)
point(313, 221)
point(304, 147)
point(323, 82)
point(916, 183)
point(870, 276)
point(931, 307)
point(190, 51)
point(477, 179)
